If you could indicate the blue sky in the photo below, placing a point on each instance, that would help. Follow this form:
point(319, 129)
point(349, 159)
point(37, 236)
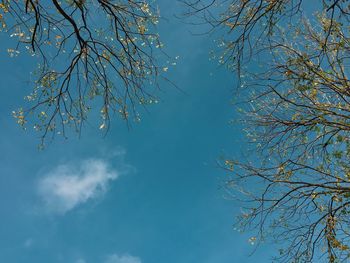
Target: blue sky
point(149, 194)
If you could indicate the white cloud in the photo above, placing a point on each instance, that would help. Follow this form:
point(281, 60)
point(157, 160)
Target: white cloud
point(80, 260)
point(67, 186)
point(122, 259)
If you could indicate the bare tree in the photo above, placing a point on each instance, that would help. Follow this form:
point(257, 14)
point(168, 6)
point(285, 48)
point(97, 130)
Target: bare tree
point(294, 70)
point(87, 49)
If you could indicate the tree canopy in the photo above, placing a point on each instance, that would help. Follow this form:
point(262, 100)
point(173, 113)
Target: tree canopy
point(292, 61)
point(101, 53)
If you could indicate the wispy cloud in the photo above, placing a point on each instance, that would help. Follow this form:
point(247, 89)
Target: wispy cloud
point(68, 186)
point(115, 258)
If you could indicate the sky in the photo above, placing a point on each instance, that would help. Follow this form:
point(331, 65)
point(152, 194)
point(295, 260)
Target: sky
point(148, 194)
